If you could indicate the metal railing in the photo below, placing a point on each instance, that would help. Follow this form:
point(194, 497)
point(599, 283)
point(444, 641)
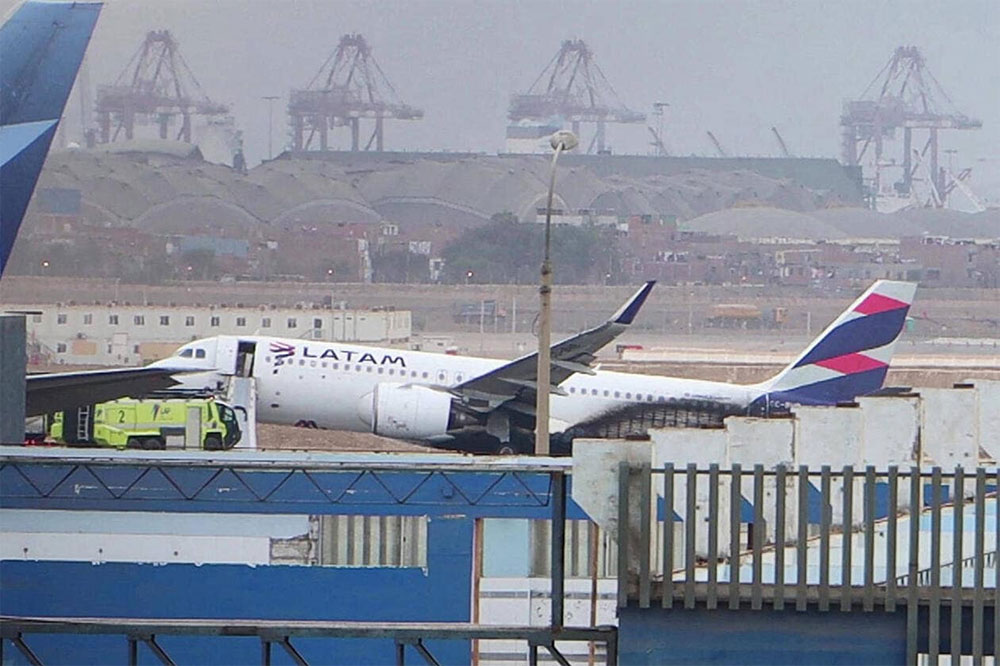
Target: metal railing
point(337, 488)
point(829, 540)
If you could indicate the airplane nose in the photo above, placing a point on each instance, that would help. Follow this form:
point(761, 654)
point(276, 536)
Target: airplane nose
point(366, 408)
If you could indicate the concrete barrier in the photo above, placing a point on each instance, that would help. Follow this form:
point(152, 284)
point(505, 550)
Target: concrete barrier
point(949, 427)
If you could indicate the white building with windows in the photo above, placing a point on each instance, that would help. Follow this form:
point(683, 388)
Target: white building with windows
point(122, 335)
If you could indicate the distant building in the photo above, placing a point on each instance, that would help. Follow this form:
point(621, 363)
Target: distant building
point(583, 217)
point(120, 334)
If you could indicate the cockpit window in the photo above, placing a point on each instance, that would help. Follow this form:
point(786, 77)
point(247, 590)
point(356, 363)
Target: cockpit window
point(199, 353)
point(186, 353)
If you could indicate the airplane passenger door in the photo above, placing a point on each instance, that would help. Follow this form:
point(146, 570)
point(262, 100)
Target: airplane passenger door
point(246, 350)
point(226, 354)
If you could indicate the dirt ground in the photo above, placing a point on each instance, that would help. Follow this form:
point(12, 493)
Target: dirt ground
point(290, 438)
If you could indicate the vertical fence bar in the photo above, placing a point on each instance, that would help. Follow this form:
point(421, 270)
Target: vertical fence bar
point(667, 600)
point(801, 550)
point(847, 531)
point(912, 566)
point(934, 632)
point(825, 511)
point(735, 510)
point(558, 547)
point(713, 537)
point(690, 523)
point(645, 525)
point(978, 576)
point(623, 535)
point(957, 528)
point(996, 569)
point(779, 537)
point(759, 532)
point(869, 499)
point(892, 524)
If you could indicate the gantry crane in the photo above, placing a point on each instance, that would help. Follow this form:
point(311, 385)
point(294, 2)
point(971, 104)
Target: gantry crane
point(349, 87)
point(904, 95)
point(155, 86)
point(574, 88)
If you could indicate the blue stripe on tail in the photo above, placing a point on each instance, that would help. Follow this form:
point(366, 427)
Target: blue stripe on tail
point(832, 391)
point(868, 332)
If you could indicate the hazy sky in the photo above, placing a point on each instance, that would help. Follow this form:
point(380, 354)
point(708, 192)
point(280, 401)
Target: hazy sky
point(734, 67)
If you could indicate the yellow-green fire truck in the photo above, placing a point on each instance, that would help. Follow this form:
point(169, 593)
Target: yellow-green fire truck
point(149, 424)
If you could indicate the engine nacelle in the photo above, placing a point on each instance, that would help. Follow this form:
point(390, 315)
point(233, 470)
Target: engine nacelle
point(406, 411)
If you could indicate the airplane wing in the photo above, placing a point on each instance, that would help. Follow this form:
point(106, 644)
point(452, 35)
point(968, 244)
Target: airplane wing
point(53, 392)
point(518, 380)
point(41, 46)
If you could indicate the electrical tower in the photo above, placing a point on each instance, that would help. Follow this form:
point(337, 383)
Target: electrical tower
point(574, 88)
point(904, 95)
point(154, 87)
point(348, 87)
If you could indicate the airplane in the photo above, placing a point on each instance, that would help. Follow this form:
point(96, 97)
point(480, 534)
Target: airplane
point(462, 403)
point(41, 48)
point(484, 405)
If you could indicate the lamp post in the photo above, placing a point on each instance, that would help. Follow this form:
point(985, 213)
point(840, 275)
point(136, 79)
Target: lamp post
point(560, 141)
point(270, 122)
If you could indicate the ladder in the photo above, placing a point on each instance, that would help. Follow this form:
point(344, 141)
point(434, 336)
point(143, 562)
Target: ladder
point(83, 415)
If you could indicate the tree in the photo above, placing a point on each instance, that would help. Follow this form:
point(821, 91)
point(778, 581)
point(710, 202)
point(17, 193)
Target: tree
point(506, 251)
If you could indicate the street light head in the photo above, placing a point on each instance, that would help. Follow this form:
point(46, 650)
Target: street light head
point(564, 137)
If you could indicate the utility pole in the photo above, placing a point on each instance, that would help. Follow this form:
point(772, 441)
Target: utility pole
point(560, 141)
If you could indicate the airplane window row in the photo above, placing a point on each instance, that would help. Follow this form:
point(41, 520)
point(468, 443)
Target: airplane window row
point(197, 353)
point(360, 368)
point(648, 397)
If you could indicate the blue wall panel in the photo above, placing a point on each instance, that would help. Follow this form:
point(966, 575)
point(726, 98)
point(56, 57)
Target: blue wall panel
point(655, 637)
point(441, 593)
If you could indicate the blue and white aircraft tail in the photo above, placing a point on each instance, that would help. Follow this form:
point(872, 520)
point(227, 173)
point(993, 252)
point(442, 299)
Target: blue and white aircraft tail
point(851, 357)
point(41, 47)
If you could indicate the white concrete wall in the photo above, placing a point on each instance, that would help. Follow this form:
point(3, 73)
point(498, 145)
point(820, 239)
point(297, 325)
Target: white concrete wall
point(949, 427)
point(682, 446)
point(828, 436)
point(953, 426)
point(767, 442)
point(988, 394)
point(890, 431)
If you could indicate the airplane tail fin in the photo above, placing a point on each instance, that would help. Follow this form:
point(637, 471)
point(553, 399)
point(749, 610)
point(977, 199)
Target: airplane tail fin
point(851, 357)
point(41, 47)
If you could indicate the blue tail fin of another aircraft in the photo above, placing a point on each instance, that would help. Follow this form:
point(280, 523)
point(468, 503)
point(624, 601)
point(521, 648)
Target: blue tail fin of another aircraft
point(851, 357)
point(41, 47)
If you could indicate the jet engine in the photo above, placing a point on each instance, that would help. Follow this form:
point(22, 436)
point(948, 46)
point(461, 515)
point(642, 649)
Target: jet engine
point(406, 411)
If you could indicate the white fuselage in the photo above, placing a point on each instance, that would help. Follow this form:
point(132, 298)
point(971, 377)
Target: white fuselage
point(330, 384)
